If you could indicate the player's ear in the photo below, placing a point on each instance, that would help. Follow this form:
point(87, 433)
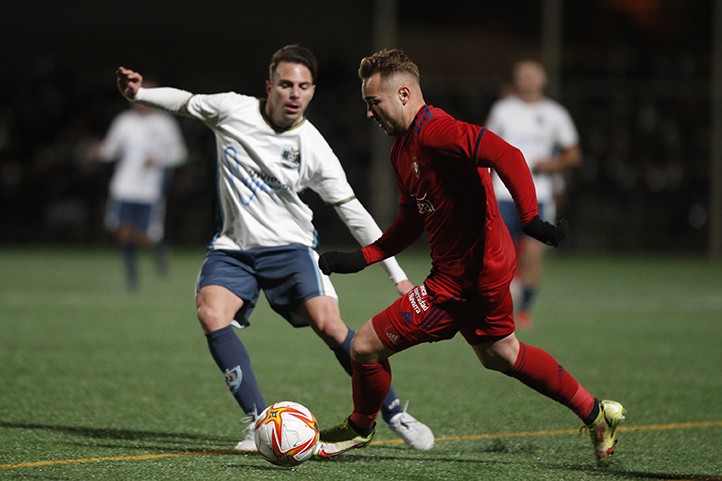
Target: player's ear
point(268, 87)
point(404, 94)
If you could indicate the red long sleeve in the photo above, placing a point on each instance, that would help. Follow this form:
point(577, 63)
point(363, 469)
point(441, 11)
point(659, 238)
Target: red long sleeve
point(402, 233)
point(509, 163)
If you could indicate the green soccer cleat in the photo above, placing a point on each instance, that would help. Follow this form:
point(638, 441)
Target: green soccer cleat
point(603, 430)
point(339, 439)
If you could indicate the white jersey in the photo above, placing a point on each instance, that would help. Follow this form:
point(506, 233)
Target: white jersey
point(261, 172)
point(538, 129)
point(133, 139)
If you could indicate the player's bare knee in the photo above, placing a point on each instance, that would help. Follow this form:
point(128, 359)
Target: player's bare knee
point(333, 328)
point(499, 355)
point(495, 362)
point(362, 350)
point(211, 319)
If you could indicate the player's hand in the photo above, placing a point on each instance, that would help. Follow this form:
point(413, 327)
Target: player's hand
point(341, 262)
point(128, 81)
point(545, 166)
point(545, 232)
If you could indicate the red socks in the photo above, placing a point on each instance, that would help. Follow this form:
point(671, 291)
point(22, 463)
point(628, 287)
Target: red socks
point(534, 367)
point(370, 384)
point(540, 371)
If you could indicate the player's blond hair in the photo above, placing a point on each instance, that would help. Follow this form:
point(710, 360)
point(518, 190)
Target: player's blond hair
point(388, 62)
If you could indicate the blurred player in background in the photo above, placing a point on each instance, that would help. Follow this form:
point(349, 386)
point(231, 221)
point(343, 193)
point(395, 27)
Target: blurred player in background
point(543, 130)
point(442, 168)
point(268, 152)
point(146, 146)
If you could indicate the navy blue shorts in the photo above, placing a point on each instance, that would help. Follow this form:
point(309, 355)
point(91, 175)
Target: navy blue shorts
point(136, 214)
point(289, 275)
point(507, 209)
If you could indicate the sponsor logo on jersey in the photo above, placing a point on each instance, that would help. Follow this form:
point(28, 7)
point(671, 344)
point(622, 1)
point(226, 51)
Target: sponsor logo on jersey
point(392, 337)
point(417, 298)
point(291, 157)
point(254, 181)
point(424, 205)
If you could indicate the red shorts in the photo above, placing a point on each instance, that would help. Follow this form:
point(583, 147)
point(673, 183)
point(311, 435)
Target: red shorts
point(416, 318)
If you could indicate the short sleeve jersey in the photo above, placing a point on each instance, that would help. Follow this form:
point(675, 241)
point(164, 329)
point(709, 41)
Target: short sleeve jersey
point(260, 173)
point(538, 129)
point(442, 171)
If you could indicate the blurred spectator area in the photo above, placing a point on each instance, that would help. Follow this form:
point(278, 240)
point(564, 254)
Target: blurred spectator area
point(634, 75)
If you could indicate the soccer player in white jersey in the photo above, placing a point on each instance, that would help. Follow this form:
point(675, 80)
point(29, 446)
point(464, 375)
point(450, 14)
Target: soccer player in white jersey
point(146, 145)
point(267, 153)
point(543, 130)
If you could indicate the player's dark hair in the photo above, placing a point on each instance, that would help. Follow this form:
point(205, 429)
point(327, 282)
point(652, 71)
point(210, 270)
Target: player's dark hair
point(387, 62)
point(521, 58)
point(294, 54)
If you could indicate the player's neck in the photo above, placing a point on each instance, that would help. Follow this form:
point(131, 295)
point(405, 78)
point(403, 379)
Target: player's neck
point(531, 97)
point(265, 113)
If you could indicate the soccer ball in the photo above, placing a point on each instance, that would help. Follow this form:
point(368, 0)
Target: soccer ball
point(286, 433)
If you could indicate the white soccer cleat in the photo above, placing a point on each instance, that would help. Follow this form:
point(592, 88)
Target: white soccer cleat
point(414, 433)
point(248, 443)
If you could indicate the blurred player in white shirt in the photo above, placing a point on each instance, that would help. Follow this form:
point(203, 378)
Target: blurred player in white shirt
point(146, 145)
point(267, 154)
point(544, 131)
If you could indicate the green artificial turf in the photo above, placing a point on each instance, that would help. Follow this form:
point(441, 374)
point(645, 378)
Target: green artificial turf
point(97, 383)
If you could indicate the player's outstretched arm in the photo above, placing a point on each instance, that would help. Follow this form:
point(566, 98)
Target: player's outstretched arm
point(128, 81)
point(365, 230)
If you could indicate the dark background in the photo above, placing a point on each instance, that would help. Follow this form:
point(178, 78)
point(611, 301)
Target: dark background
point(635, 75)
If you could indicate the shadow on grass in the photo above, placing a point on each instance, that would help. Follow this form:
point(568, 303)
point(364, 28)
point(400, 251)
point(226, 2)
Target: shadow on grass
point(611, 471)
point(190, 442)
point(618, 471)
point(122, 434)
point(665, 476)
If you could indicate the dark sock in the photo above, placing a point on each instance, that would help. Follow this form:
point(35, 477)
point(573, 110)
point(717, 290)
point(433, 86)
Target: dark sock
point(127, 255)
point(232, 358)
point(528, 293)
point(391, 405)
point(160, 254)
point(593, 415)
point(361, 431)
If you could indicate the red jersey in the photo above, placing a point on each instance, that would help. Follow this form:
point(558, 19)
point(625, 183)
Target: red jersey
point(442, 171)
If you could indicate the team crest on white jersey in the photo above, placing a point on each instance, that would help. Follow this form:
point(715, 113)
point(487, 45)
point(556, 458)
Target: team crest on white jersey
point(291, 157)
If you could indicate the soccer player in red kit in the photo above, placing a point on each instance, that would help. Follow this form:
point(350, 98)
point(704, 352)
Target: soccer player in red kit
point(442, 168)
